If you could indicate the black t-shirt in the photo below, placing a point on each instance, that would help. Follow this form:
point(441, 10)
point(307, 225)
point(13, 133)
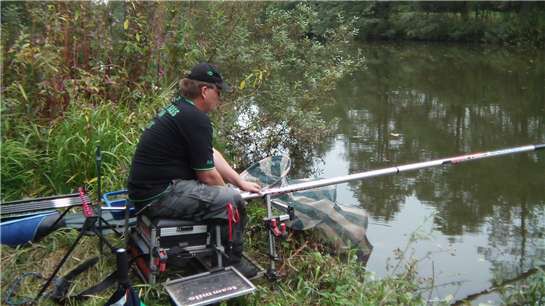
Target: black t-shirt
point(176, 143)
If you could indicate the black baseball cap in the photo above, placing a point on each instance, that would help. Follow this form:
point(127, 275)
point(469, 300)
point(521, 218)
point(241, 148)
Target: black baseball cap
point(208, 73)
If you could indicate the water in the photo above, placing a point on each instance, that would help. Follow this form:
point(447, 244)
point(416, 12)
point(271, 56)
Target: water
point(475, 223)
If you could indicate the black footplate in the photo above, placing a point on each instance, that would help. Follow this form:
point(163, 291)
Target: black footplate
point(209, 287)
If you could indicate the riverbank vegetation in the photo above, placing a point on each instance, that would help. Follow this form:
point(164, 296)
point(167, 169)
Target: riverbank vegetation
point(81, 74)
point(489, 22)
point(88, 73)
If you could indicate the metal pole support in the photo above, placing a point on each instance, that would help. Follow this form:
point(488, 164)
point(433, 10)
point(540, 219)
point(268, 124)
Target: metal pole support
point(271, 272)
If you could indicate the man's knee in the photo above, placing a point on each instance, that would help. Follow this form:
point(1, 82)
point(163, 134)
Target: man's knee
point(229, 195)
point(238, 204)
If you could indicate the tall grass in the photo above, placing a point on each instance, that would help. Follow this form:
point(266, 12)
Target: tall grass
point(317, 279)
point(57, 157)
point(20, 165)
point(72, 145)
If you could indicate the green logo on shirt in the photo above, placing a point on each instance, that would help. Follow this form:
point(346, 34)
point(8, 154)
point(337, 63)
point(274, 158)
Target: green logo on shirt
point(172, 110)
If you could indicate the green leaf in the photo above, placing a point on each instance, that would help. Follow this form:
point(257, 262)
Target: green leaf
point(21, 89)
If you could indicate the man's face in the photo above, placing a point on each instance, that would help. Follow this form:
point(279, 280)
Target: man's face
point(212, 97)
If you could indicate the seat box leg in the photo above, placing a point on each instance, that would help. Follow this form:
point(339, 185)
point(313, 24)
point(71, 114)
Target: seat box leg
point(154, 269)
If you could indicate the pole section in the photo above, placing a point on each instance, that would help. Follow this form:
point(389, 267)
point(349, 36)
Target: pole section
point(391, 170)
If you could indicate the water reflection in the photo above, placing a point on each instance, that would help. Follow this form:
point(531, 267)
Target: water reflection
point(421, 102)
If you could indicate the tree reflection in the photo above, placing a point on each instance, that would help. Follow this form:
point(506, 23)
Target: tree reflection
point(425, 102)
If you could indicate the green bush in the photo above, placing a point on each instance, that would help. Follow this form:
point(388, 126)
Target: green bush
point(80, 90)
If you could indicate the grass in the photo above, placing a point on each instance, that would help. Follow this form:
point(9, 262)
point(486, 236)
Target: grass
point(310, 276)
point(311, 273)
point(44, 256)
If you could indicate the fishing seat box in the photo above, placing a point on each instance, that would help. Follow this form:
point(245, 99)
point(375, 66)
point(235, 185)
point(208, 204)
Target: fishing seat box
point(169, 233)
point(160, 243)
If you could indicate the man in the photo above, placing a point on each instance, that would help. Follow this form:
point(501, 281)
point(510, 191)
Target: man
point(175, 171)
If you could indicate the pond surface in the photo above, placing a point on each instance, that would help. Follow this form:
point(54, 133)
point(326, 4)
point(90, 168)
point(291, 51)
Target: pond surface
point(475, 223)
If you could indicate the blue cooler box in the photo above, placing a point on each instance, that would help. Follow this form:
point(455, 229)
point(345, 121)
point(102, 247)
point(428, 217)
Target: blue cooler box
point(117, 199)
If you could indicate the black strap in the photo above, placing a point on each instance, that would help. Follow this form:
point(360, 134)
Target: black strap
point(62, 284)
point(106, 283)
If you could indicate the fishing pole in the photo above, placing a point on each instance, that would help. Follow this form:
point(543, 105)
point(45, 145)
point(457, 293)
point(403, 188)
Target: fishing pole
point(391, 170)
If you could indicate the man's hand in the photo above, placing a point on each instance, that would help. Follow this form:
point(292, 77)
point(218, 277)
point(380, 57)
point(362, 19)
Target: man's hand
point(249, 186)
point(231, 176)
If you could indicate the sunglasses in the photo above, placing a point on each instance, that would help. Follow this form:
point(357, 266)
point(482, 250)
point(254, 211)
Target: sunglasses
point(218, 91)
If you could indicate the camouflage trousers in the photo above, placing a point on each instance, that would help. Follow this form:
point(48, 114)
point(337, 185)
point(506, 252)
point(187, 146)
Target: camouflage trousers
point(192, 200)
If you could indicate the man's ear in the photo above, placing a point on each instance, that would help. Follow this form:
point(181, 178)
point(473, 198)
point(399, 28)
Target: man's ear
point(203, 89)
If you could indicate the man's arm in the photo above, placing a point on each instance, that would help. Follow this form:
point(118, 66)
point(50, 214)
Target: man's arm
point(210, 177)
point(231, 176)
